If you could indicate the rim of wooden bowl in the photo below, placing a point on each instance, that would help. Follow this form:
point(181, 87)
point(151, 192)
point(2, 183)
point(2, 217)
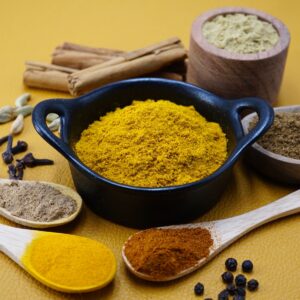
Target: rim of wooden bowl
point(245, 123)
point(198, 37)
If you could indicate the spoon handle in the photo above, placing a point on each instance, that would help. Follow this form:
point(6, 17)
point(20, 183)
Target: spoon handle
point(229, 230)
point(13, 241)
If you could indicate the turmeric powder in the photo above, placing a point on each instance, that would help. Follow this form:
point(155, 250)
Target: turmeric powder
point(153, 144)
point(69, 263)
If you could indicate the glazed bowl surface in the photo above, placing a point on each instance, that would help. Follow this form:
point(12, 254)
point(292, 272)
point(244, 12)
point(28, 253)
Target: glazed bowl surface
point(146, 207)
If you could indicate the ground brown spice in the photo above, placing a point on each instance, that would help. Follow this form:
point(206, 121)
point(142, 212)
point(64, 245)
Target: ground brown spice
point(35, 201)
point(283, 137)
point(165, 252)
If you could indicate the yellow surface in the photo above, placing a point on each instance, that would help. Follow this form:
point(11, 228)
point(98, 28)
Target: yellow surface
point(31, 29)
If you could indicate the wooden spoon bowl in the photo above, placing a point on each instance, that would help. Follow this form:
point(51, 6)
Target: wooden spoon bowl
point(34, 224)
point(275, 166)
point(225, 232)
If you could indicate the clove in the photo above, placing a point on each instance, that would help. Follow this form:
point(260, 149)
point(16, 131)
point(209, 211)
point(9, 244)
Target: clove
point(3, 140)
point(20, 147)
point(12, 171)
point(16, 172)
point(7, 156)
point(20, 170)
point(30, 161)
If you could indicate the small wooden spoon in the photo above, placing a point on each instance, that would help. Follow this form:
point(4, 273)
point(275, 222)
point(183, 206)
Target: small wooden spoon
point(34, 224)
point(225, 232)
point(14, 242)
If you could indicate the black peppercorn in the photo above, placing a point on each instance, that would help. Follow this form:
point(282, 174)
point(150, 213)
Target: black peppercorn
point(240, 280)
point(240, 291)
point(227, 277)
point(231, 264)
point(199, 289)
point(247, 266)
point(239, 297)
point(224, 295)
point(231, 289)
point(252, 285)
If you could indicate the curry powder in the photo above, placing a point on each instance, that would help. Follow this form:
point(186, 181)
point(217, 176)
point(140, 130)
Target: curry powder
point(153, 144)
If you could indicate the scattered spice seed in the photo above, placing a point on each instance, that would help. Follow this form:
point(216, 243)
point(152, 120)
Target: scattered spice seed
point(240, 280)
point(224, 295)
point(240, 291)
point(22, 100)
point(227, 277)
point(239, 297)
point(199, 289)
point(30, 161)
point(54, 125)
point(51, 117)
point(17, 125)
point(231, 289)
point(24, 110)
point(252, 285)
point(6, 113)
point(7, 156)
point(20, 147)
point(231, 264)
point(247, 266)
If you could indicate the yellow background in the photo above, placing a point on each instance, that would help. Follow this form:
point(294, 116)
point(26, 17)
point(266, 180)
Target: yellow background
point(31, 29)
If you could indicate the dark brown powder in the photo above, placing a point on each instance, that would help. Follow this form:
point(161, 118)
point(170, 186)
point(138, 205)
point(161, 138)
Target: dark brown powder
point(283, 137)
point(35, 201)
point(165, 252)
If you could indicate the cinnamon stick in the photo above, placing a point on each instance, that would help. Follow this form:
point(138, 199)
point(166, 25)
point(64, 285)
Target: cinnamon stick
point(46, 76)
point(81, 57)
point(130, 64)
point(87, 49)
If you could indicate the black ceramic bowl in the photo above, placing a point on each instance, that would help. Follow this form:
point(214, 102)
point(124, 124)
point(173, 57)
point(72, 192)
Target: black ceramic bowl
point(145, 207)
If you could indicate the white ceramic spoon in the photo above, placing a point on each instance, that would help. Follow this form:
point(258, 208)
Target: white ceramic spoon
point(34, 224)
point(225, 232)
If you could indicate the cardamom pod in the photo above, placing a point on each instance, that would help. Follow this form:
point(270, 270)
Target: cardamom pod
point(54, 125)
point(51, 117)
point(22, 100)
point(17, 125)
point(6, 113)
point(24, 110)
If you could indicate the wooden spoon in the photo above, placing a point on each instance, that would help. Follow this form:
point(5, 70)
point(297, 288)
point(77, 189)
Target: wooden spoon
point(225, 232)
point(15, 242)
point(35, 224)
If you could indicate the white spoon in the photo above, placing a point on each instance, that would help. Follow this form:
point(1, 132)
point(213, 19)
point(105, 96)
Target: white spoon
point(14, 242)
point(34, 224)
point(225, 232)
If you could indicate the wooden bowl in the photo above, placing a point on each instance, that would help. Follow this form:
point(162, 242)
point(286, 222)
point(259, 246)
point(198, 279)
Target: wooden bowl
point(233, 75)
point(275, 166)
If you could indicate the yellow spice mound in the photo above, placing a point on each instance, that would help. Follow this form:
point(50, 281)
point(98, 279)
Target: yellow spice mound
point(153, 144)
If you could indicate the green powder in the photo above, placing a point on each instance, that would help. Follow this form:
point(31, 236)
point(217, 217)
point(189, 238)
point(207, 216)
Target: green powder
point(240, 33)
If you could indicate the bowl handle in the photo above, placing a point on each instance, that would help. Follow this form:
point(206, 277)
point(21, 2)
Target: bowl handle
point(39, 114)
point(265, 114)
